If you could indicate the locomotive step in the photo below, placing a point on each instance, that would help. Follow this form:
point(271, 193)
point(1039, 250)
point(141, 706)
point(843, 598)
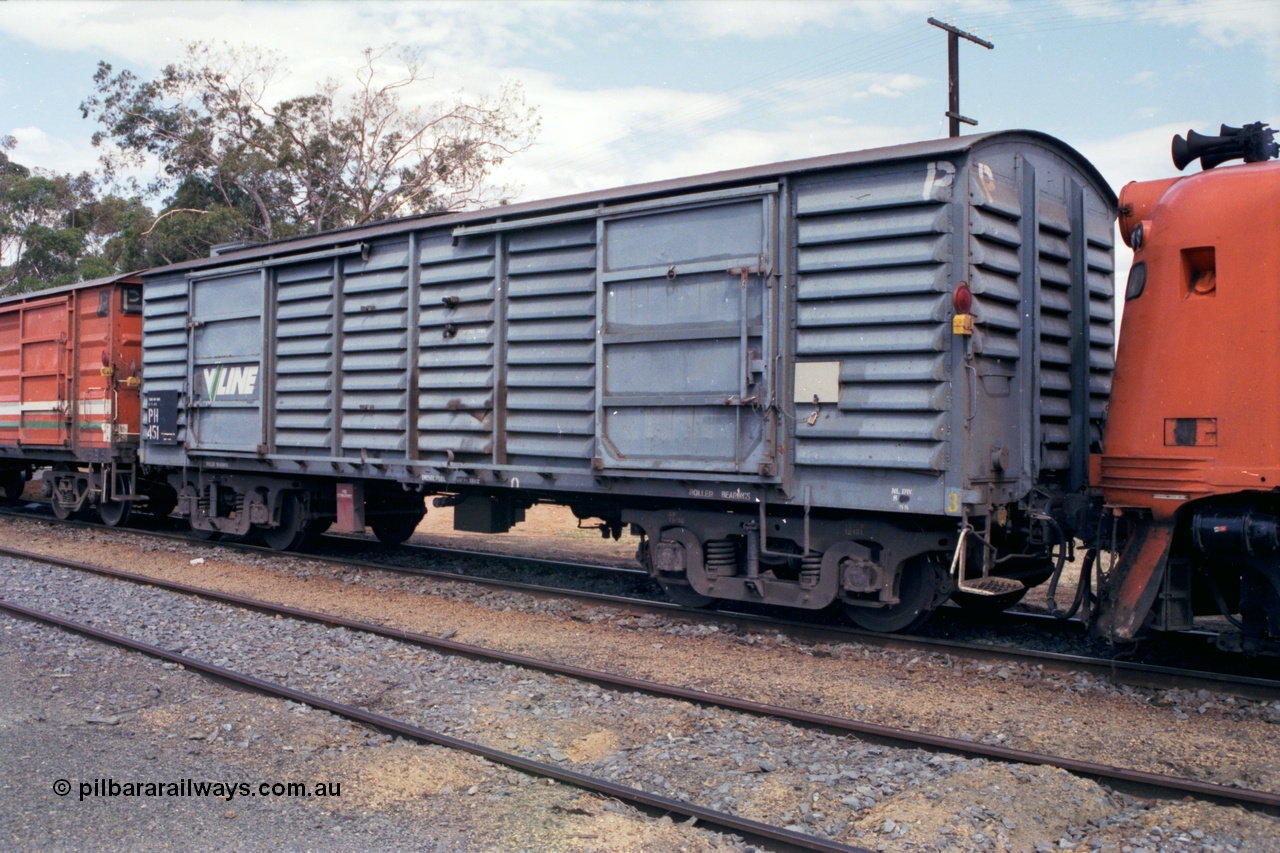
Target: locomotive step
point(991, 586)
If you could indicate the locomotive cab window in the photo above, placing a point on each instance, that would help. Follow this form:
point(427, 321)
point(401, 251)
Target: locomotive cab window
point(131, 300)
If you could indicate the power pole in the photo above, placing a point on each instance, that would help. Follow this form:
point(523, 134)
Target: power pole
point(954, 34)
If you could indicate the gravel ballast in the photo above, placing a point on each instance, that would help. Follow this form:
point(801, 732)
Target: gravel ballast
point(839, 787)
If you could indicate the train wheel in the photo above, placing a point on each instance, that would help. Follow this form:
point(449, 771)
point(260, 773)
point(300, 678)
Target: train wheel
point(395, 529)
point(116, 513)
point(12, 484)
point(685, 596)
point(918, 590)
point(293, 526)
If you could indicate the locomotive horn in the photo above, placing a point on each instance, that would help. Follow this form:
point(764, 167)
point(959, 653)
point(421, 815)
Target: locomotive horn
point(1253, 143)
point(1194, 146)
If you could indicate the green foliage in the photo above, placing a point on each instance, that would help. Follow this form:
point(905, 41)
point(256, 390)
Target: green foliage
point(307, 164)
point(183, 233)
point(116, 228)
point(232, 166)
point(51, 256)
point(55, 230)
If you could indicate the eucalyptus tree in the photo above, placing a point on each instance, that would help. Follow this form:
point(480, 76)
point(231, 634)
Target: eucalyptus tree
point(237, 164)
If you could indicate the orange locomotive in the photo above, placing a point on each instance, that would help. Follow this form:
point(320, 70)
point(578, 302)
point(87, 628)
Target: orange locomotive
point(1191, 468)
point(70, 379)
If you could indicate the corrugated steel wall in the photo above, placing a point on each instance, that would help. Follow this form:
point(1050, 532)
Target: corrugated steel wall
point(486, 347)
point(306, 381)
point(457, 357)
point(551, 346)
point(1041, 264)
point(164, 355)
point(871, 291)
point(375, 352)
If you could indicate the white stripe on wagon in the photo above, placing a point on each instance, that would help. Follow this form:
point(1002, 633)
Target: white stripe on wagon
point(86, 407)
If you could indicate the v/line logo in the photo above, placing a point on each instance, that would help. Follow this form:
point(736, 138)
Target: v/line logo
point(234, 381)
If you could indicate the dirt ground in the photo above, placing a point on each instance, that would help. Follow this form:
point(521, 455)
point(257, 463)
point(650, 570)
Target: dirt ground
point(1209, 738)
point(548, 531)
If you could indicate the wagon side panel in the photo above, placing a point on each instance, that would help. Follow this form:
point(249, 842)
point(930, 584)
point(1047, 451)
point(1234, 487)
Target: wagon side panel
point(872, 392)
point(550, 348)
point(164, 369)
point(375, 353)
point(306, 399)
point(10, 377)
point(458, 349)
point(686, 342)
point(1040, 264)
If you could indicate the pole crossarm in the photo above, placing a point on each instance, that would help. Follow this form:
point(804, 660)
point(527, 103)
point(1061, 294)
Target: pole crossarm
point(951, 28)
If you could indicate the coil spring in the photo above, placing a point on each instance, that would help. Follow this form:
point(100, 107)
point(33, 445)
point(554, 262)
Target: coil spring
point(721, 556)
point(810, 570)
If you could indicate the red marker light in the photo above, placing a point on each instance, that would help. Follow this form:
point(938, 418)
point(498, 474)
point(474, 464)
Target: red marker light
point(106, 359)
point(962, 299)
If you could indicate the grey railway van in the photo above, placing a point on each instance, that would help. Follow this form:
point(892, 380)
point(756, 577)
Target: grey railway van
point(859, 379)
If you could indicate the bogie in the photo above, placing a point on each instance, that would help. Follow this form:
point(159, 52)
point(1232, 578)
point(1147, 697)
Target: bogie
point(704, 557)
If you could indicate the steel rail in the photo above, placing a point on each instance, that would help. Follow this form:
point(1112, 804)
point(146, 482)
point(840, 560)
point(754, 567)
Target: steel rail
point(710, 817)
point(840, 725)
point(1122, 672)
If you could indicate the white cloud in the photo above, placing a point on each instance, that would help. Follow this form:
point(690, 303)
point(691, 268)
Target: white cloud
point(36, 147)
point(738, 148)
point(1226, 24)
point(756, 21)
point(835, 92)
point(750, 23)
point(592, 139)
point(597, 135)
point(317, 40)
point(612, 137)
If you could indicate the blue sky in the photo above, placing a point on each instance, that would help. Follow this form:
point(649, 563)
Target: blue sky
point(634, 91)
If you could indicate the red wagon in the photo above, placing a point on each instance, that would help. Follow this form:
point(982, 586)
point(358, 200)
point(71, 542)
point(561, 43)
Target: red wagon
point(70, 382)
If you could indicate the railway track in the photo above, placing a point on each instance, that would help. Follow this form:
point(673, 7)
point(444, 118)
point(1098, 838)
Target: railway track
point(643, 597)
point(755, 830)
point(1115, 776)
point(1128, 672)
